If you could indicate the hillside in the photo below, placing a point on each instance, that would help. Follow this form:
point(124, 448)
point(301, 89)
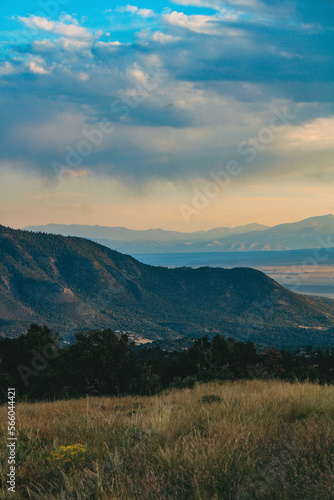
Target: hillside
point(71, 283)
point(308, 233)
point(249, 439)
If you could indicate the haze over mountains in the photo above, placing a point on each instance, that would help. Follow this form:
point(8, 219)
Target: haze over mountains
point(313, 232)
point(71, 283)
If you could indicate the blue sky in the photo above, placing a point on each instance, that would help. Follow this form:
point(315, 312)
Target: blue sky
point(166, 94)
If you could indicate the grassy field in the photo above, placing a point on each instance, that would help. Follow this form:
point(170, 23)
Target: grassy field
point(234, 440)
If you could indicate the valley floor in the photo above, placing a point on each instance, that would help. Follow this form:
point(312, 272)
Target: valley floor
point(229, 440)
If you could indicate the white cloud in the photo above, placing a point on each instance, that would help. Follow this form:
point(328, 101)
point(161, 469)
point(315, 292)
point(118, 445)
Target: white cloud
point(67, 17)
point(198, 24)
point(35, 66)
point(158, 36)
point(68, 44)
point(71, 30)
point(83, 77)
point(36, 22)
point(213, 4)
point(73, 45)
point(41, 23)
point(43, 45)
point(135, 10)
point(7, 69)
point(137, 74)
point(108, 45)
point(217, 4)
point(246, 3)
point(317, 134)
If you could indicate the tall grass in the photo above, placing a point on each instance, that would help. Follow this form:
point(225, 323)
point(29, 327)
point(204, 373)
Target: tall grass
point(233, 440)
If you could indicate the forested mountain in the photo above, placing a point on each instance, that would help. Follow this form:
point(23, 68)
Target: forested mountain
point(71, 283)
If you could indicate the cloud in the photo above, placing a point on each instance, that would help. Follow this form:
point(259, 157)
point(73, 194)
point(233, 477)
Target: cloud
point(208, 25)
point(212, 4)
point(146, 35)
point(41, 23)
point(83, 77)
point(36, 66)
point(221, 74)
point(35, 22)
point(219, 4)
point(7, 69)
point(158, 36)
point(43, 45)
point(73, 45)
point(198, 24)
point(109, 46)
point(135, 10)
point(315, 135)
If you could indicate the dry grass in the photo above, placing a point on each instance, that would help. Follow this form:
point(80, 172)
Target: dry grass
point(260, 440)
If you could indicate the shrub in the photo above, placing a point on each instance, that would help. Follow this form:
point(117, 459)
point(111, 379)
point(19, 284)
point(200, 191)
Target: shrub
point(211, 398)
point(69, 455)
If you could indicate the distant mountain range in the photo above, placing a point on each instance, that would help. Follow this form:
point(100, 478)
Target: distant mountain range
point(309, 233)
point(72, 283)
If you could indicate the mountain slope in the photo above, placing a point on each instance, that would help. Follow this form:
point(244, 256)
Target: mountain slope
point(121, 234)
point(254, 237)
point(71, 283)
point(308, 233)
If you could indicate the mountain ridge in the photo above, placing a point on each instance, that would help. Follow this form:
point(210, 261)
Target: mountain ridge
point(309, 233)
point(72, 283)
point(120, 233)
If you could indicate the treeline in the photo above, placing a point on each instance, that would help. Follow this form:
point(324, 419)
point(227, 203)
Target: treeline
point(42, 367)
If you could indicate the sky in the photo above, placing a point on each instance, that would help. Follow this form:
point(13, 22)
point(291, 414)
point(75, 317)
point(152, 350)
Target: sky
point(185, 115)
